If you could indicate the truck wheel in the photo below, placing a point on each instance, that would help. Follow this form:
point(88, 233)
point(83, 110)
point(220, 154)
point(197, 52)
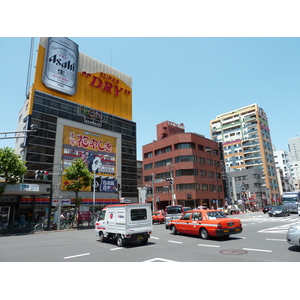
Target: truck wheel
point(101, 237)
point(203, 233)
point(145, 241)
point(120, 241)
point(173, 230)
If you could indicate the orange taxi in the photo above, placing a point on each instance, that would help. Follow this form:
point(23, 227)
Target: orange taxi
point(206, 223)
point(158, 217)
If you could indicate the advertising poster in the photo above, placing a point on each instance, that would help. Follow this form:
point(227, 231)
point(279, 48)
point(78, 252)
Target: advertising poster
point(98, 151)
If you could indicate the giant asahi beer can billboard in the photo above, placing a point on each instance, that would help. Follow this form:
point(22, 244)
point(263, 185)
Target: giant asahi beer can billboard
point(61, 65)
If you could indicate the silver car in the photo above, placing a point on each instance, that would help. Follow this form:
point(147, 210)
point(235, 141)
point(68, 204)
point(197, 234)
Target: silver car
point(293, 235)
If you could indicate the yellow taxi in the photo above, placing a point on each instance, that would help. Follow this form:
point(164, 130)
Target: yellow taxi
point(206, 223)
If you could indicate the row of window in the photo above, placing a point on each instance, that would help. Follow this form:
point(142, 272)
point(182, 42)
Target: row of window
point(181, 146)
point(184, 172)
point(183, 158)
point(192, 187)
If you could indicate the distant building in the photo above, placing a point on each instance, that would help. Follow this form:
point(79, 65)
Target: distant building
point(247, 144)
point(182, 168)
point(247, 187)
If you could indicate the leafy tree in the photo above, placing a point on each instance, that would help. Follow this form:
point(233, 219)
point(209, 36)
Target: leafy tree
point(80, 177)
point(12, 168)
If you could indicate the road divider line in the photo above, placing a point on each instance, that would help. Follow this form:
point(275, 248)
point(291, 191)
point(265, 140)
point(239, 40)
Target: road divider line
point(78, 255)
point(260, 250)
point(153, 237)
point(175, 242)
point(279, 240)
point(205, 245)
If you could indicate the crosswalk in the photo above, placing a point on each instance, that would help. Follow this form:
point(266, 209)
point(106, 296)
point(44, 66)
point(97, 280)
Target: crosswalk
point(287, 222)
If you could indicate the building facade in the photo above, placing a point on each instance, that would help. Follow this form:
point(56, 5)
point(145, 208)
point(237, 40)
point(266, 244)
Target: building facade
point(82, 108)
point(247, 144)
point(247, 188)
point(182, 168)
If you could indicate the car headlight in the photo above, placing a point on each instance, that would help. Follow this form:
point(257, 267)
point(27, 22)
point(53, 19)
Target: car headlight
point(292, 229)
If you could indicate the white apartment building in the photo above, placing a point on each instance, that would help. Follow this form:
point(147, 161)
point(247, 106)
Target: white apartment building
point(246, 139)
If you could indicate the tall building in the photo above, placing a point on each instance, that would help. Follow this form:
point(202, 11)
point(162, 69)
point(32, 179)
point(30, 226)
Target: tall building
point(246, 139)
point(82, 108)
point(294, 148)
point(284, 172)
point(182, 168)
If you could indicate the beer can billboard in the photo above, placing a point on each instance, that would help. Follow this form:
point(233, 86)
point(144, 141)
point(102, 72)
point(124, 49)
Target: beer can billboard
point(61, 65)
point(65, 72)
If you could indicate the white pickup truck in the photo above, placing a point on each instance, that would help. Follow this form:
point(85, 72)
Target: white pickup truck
point(125, 223)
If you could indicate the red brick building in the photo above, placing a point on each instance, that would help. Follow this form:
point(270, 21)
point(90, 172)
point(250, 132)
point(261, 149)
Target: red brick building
point(190, 160)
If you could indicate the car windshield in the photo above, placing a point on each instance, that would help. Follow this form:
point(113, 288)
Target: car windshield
point(215, 215)
point(278, 207)
point(174, 210)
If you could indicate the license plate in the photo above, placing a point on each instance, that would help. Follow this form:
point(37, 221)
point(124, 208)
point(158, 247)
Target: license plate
point(230, 224)
point(140, 237)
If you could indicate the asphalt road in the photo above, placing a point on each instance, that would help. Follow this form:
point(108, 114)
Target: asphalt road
point(263, 240)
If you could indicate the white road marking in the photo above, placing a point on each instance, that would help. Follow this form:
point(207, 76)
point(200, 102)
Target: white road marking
point(279, 240)
point(78, 255)
point(153, 237)
point(119, 248)
point(208, 245)
point(159, 259)
point(260, 250)
point(175, 242)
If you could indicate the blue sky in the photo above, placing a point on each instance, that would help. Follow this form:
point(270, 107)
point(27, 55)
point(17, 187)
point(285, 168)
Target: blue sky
point(180, 79)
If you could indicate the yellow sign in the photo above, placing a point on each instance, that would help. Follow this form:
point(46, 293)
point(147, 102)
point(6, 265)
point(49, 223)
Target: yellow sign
point(99, 86)
point(98, 151)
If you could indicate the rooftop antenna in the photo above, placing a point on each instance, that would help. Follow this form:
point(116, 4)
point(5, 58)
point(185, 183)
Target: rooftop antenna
point(29, 68)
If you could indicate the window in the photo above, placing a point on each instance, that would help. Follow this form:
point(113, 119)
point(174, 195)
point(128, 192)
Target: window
point(185, 158)
point(148, 166)
point(186, 216)
point(204, 187)
point(202, 160)
point(162, 163)
point(197, 216)
point(184, 146)
point(186, 172)
point(187, 187)
point(101, 215)
point(203, 173)
point(138, 214)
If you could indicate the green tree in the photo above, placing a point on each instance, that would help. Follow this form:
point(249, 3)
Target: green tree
point(12, 168)
point(80, 177)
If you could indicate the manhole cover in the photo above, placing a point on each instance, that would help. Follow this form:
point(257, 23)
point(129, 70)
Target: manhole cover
point(233, 252)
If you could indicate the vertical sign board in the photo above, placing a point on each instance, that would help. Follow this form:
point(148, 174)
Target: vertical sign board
point(61, 65)
point(97, 150)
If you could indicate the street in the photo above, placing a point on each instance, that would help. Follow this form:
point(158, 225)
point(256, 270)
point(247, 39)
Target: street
point(263, 240)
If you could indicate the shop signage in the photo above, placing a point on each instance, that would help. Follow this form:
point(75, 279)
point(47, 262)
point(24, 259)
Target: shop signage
point(30, 187)
point(92, 116)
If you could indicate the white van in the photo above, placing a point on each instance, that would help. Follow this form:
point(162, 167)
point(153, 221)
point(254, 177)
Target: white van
point(125, 223)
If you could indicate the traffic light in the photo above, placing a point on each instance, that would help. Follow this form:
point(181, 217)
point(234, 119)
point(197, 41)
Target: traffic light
point(45, 175)
point(170, 180)
point(41, 175)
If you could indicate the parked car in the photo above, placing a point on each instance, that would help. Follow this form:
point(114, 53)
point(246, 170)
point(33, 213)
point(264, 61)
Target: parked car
point(206, 223)
point(158, 217)
point(267, 208)
point(279, 211)
point(293, 234)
